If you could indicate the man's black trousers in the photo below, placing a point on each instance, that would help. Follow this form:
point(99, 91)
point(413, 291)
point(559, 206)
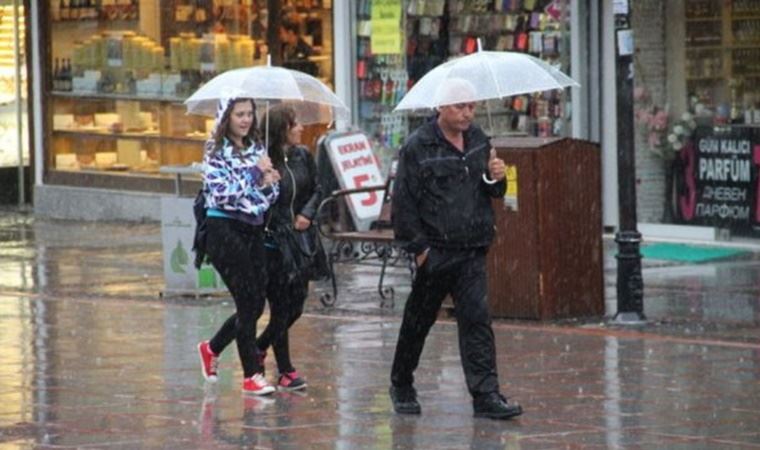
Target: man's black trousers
point(461, 273)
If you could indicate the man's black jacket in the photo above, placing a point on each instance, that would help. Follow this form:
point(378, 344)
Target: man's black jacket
point(439, 196)
point(299, 177)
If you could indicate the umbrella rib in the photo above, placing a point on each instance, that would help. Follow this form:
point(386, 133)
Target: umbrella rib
point(493, 77)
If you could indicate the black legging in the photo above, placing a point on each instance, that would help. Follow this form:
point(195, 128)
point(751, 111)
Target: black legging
point(236, 250)
point(286, 303)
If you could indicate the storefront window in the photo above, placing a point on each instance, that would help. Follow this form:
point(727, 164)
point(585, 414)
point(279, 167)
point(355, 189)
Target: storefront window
point(119, 71)
point(12, 118)
point(719, 187)
point(437, 30)
point(697, 105)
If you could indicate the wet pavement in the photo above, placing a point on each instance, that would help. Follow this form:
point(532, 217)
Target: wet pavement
point(92, 358)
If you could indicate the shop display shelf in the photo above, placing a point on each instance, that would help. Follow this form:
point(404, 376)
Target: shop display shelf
point(120, 172)
point(130, 136)
point(703, 19)
point(704, 47)
point(744, 45)
point(130, 97)
point(708, 78)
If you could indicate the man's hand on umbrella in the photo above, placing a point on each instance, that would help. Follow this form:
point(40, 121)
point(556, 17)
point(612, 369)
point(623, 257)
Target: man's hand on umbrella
point(496, 167)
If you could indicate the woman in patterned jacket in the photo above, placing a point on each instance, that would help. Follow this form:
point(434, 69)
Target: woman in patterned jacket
point(240, 185)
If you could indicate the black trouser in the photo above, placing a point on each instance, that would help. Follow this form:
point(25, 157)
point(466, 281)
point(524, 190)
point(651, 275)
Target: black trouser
point(461, 273)
point(286, 302)
point(236, 251)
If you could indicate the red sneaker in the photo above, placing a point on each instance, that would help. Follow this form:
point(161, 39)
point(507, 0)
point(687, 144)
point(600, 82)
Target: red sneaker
point(291, 381)
point(257, 385)
point(209, 361)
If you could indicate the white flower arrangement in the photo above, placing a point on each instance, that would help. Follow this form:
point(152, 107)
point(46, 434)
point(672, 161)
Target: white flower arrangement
point(681, 132)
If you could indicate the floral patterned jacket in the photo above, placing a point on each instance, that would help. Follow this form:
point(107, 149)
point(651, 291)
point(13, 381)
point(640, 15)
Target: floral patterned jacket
point(231, 182)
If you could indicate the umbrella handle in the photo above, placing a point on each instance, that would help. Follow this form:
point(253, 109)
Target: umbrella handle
point(266, 125)
point(487, 181)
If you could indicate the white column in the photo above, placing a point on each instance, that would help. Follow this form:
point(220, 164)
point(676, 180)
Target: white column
point(579, 69)
point(610, 203)
point(37, 93)
point(343, 62)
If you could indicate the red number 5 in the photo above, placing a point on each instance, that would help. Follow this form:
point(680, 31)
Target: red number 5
point(359, 181)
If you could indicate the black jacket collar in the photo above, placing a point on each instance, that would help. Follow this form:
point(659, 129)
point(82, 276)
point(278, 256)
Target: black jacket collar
point(431, 134)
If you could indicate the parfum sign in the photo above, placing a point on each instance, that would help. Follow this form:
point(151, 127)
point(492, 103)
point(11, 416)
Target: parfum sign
point(718, 182)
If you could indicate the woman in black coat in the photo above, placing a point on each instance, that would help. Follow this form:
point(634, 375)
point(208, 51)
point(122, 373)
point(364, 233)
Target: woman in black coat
point(300, 195)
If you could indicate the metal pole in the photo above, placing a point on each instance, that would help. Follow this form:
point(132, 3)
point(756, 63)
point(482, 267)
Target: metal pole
point(273, 27)
point(19, 111)
point(630, 284)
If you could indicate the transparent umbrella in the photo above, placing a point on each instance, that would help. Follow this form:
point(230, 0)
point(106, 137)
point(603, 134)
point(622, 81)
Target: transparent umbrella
point(313, 101)
point(489, 75)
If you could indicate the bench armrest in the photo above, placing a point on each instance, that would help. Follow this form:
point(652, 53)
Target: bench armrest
point(335, 195)
point(344, 192)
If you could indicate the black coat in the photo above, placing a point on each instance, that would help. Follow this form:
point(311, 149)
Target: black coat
point(439, 197)
point(300, 192)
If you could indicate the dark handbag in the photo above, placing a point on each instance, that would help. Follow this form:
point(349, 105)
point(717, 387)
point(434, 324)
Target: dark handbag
point(199, 238)
point(303, 255)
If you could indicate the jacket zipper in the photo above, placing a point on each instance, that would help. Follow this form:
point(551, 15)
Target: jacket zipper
point(292, 197)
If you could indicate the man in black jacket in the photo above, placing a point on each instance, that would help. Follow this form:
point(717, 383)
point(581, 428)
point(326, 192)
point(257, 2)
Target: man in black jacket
point(447, 175)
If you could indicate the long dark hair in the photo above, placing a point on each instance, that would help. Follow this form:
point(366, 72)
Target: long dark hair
point(223, 127)
point(282, 118)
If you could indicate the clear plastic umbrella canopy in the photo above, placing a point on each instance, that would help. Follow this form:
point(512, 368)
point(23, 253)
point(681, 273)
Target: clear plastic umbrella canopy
point(313, 101)
point(483, 75)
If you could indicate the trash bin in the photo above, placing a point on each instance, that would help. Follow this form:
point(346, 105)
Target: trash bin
point(546, 258)
point(181, 278)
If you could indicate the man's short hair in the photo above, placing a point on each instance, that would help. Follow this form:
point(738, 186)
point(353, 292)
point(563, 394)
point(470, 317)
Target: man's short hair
point(455, 90)
point(290, 25)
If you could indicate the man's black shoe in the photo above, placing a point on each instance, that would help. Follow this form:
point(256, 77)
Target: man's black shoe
point(495, 406)
point(404, 400)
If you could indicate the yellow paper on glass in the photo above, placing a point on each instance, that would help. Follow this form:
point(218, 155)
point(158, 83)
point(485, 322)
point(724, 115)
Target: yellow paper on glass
point(510, 196)
point(386, 23)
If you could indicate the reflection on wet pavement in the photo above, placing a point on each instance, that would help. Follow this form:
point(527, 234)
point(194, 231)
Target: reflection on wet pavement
point(79, 372)
point(89, 357)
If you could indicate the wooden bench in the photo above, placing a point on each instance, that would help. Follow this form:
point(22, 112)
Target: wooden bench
point(375, 246)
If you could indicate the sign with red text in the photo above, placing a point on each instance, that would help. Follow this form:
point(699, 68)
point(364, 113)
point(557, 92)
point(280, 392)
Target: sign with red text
point(356, 166)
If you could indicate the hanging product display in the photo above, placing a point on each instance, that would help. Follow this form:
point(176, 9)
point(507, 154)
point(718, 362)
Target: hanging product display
point(439, 30)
